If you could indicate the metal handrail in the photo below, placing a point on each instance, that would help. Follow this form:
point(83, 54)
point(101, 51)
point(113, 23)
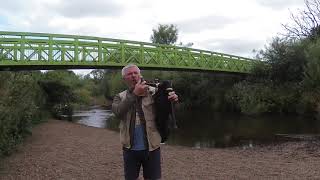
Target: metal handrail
point(27, 46)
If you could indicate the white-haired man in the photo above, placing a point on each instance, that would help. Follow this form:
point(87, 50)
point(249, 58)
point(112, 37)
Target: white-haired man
point(138, 132)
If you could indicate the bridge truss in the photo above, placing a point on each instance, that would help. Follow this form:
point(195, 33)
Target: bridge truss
point(23, 50)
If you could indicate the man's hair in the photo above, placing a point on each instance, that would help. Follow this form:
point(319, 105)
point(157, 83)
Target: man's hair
point(123, 71)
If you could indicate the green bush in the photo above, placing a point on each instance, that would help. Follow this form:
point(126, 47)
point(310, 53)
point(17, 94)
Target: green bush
point(309, 102)
point(252, 98)
point(264, 97)
point(21, 104)
point(83, 96)
point(312, 68)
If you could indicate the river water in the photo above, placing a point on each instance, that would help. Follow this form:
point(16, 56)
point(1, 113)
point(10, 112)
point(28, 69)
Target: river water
point(211, 129)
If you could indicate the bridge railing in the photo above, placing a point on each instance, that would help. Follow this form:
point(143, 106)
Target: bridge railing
point(39, 49)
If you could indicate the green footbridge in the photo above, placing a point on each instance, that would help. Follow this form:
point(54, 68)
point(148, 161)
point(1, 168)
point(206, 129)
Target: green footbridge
point(26, 51)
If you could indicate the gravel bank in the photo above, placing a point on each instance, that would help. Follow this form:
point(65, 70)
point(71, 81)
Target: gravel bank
point(63, 150)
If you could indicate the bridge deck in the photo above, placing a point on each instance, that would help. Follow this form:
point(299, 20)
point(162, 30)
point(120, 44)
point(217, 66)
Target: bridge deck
point(22, 50)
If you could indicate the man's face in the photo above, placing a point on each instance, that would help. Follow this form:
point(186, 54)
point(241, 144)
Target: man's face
point(132, 76)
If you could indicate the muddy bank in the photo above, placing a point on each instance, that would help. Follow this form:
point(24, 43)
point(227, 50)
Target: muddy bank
point(63, 150)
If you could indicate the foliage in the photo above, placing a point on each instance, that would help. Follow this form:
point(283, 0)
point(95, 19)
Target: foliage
point(114, 83)
point(25, 97)
point(66, 77)
point(21, 105)
point(286, 60)
point(290, 81)
point(64, 90)
point(95, 82)
point(165, 34)
point(97, 75)
point(83, 96)
point(264, 97)
point(251, 98)
point(57, 92)
point(311, 72)
point(309, 102)
point(310, 98)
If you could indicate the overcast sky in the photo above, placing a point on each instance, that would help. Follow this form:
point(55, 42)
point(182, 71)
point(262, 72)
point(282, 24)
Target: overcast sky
point(228, 26)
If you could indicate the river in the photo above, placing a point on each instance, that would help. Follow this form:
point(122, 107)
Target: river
point(211, 129)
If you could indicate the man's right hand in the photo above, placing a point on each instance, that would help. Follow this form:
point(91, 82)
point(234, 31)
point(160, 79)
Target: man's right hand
point(141, 89)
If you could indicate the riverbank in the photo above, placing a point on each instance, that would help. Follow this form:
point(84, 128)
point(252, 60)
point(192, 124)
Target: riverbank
point(64, 150)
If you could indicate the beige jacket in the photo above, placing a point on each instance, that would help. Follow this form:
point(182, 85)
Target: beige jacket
point(124, 107)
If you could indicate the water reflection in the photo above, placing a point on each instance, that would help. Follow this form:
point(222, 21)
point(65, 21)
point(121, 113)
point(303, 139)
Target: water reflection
point(95, 117)
point(210, 129)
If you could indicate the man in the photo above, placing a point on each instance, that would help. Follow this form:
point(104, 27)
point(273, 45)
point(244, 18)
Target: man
point(138, 132)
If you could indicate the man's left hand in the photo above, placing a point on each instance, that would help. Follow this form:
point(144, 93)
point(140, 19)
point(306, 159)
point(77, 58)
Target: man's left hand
point(173, 97)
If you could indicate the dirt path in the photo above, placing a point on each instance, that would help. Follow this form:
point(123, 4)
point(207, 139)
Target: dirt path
point(63, 150)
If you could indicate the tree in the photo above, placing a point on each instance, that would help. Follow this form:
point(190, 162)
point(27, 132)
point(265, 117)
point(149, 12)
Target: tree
point(97, 74)
point(286, 59)
point(165, 34)
point(187, 45)
point(307, 23)
point(312, 67)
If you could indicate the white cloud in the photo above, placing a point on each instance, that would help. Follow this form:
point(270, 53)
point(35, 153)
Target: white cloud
point(205, 23)
point(92, 8)
point(279, 5)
